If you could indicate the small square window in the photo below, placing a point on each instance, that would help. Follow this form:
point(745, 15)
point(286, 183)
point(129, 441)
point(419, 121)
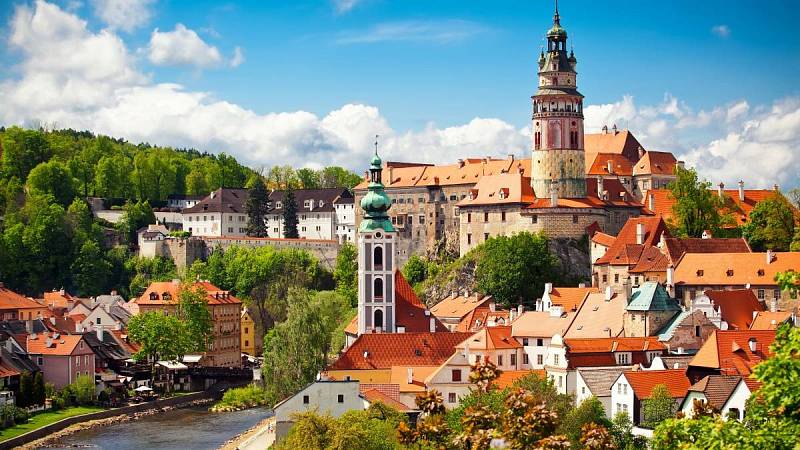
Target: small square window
point(305, 399)
point(451, 397)
point(340, 398)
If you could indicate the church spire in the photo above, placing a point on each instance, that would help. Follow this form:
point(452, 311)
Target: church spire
point(376, 203)
point(556, 17)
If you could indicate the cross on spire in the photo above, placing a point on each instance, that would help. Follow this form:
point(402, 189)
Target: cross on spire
point(376, 143)
point(556, 18)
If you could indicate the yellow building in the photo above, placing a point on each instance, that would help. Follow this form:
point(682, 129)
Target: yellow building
point(248, 327)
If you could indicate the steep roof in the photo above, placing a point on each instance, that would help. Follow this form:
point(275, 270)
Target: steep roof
point(675, 248)
point(599, 380)
point(717, 388)
point(500, 189)
point(652, 296)
point(223, 200)
point(458, 305)
point(729, 351)
point(766, 320)
point(481, 316)
point(374, 395)
point(651, 259)
point(410, 311)
point(491, 338)
point(620, 142)
point(167, 292)
point(663, 202)
point(736, 306)
point(384, 350)
point(655, 163)
point(319, 200)
point(724, 269)
point(541, 324)
point(620, 165)
point(10, 300)
point(63, 345)
point(619, 344)
point(626, 250)
point(598, 317)
point(643, 381)
point(570, 298)
point(58, 299)
point(603, 239)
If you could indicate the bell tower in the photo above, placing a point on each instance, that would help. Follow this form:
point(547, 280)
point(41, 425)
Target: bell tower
point(376, 246)
point(558, 152)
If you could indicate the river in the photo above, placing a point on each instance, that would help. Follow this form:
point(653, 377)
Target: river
point(178, 429)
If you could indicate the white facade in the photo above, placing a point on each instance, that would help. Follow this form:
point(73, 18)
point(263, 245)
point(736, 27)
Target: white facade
point(345, 222)
point(452, 379)
point(310, 225)
point(324, 397)
point(536, 351)
point(215, 224)
point(622, 398)
point(734, 406)
point(557, 368)
point(376, 290)
point(706, 305)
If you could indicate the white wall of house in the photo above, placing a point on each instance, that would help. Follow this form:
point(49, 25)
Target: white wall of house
point(622, 398)
point(687, 406)
point(556, 366)
point(451, 379)
point(203, 224)
point(537, 349)
point(325, 397)
point(737, 400)
point(345, 222)
point(704, 304)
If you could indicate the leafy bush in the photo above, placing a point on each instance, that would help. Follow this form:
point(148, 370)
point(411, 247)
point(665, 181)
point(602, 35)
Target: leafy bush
point(241, 398)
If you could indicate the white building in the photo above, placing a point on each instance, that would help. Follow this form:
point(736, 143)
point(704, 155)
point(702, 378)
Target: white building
point(597, 382)
point(221, 213)
point(323, 397)
point(724, 393)
point(632, 388)
point(345, 218)
point(534, 330)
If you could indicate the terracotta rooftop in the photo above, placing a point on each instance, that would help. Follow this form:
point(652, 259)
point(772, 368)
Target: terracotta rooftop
point(59, 299)
point(766, 320)
point(626, 250)
point(410, 311)
point(481, 316)
point(10, 300)
point(650, 260)
point(570, 298)
point(508, 377)
point(399, 375)
point(500, 189)
point(736, 306)
point(167, 293)
point(733, 269)
point(458, 306)
point(620, 165)
point(541, 324)
point(643, 381)
point(63, 345)
point(729, 351)
point(675, 248)
point(598, 317)
point(375, 395)
point(603, 239)
point(717, 388)
point(491, 338)
point(655, 163)
point(384, 350)
point(740, 210)
point(620, 142)
point(620, 344)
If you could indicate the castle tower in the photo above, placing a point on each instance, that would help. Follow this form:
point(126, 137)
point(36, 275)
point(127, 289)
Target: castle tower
point(376, 265)
point(558, 121)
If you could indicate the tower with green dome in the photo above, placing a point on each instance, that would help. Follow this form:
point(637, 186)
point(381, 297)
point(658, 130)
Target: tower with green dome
point(377, 243)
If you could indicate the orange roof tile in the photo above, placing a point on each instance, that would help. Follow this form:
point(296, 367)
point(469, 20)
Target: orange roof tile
point(64, 345)
point(598, 317)
point(10, 300)
point(7, 371)
point(676, 247)
point(409, 310)
point(603, 239)
point(166, 293)
point(650, 260)
point(736, 306)
point(732, 269)
point(621, 142)
point(399, 376)
point(501, 189)
point(374, 395)
point(459, 305)
point(541, 324)
point(620, 165)
point(570, 298)
point(352, 327)
point(655, 163)
point(481, 316)
point(508, 377)
point(58, 299)
point(619, 344)
point(766, 320)
point(625, 250)
point(491, 338)
point(384, 350)
point(663, 202)
point(729, 351)
point(643, 381)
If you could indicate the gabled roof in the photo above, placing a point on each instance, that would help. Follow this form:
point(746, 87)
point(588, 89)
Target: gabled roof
point(650, 260)
point(675, 248)
point(10, 300)
point(620, 142)
point(491, 338)
point(643, 381)
point(570, 298)
point(167, 293)
point(481, 317)
point(655, 163)
point(729, 351)
point(620, 344)
point(599, 380)
point(652, 296)
point(410, 311)
point(725, 269)
point(501, 189)
point(766, 320)
point(458, 306)
point(508, 377)
point(603, 239)
point(58, 299)
point(626, 250)
point(541, 324)
point(717, 388)
point(223, 200)
point(375, 395)
point(63, 345)
point(663, 202)
point(384, 350)
point(620, 165)
point(736, 306)
point(598, 317)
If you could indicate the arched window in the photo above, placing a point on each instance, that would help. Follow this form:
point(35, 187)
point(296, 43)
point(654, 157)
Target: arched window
point(378, 320)
point(377, 288)
point(377, 257)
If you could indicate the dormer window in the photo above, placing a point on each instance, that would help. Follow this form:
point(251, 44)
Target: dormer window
point(321, 203)
point(729, 272)
point(166, 296)
point(761, 272)
point(153, 296)
point(278, 205)
point(700, 272)
point(307, 204)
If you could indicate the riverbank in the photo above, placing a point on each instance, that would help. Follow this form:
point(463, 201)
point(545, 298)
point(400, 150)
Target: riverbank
point(235, 442)
point(123, 413)
point(45, 418)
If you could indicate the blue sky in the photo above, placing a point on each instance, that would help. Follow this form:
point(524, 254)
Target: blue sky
point(684, 76)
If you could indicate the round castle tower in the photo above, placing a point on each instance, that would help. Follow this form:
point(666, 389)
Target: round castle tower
point(558, 156)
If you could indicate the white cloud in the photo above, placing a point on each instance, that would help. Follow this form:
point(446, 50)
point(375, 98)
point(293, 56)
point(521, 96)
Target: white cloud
point(343, 6)
point(182, 47)
point(436, 31)
point(238, 57)
point(722, 31)
point(70, 76)
point(126, 15)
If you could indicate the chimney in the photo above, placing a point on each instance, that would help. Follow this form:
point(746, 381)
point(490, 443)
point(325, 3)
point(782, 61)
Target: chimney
point(410, 376)
point(29, 326)
point(641, 152)
point(492, 306)
point(627, 285)
point(460, 163)
point(670, 279)
point(614, 128)
point(770, 256)
point(741, 190)
point(609, 293)
point(389, 174)
point(520, 310)
point(554, 193)
point(581, 285)
point(548, 288)
point(773, 305)
point(212, 194)
point(511, 315)
point(52, 320)
point(99, 330)
point(605, 129)
point(466, 350)
point(721, 189)
point(599, 187)
point(752, 344)
point(651, 201)
point(511, 157)
point(48, 343)
point(610, 166)
point(640, 233)
point(433, 325)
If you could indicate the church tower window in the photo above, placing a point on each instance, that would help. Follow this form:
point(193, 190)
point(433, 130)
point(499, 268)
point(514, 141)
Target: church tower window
point(377, 258)
point(378, 320)
point(377, 288)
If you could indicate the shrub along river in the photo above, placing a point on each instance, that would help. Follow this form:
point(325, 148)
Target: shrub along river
point(179, 429)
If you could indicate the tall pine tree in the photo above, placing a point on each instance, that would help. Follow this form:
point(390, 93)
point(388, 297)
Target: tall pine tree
point(290, 215)
point(256, 208)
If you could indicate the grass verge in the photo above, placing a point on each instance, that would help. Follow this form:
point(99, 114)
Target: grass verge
point(45, 418)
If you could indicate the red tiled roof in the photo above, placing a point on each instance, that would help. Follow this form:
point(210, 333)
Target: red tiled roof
point(620, 142)
point(7, 371)
point(736, 306)
point(506, 188)
point(410, 311)
point(491, 338)
point(619, 344)
point(620, 165)
point(570, 298)
point(374, 395)
point(159, 290)
point(384, 350)
point(650, 260)
point(663, 202)
point(58, 299)
point(766, 320)
point(10, 300)
point(717, 388)
point(733, 269)
point(677, 247)
point(603, 239)
point(64, 345)
point(655, 163)
point(508, 377)
point(625, 250)
point(729, 351)
point(643, 381)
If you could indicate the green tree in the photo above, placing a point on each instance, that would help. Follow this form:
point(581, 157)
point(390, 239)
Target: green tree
point(90, 270)
point(335, 176)
point(589, 411)
point(308, 179)
point(771, 225)
point(515, 268)
point(414, 270)
point(788, 281)
point(697, 208)
point(135, 216)
point(161, 337)
point(346, 273)
point(659, 407)
point(22, 151)
point(113, 176)
point(193, 310)
point(232, 174)
point(544, 391)
point(54, 179)
point(38, 396)
point(25, 397)
point(290, 215)
point(257, 206)
point(84, 388)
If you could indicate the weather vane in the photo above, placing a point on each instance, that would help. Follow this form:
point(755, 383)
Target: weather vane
point(376, 143)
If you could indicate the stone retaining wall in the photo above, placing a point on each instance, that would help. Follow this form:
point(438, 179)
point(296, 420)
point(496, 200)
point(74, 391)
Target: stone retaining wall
point(64, 423)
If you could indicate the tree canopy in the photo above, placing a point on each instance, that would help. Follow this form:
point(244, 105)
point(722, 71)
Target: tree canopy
point(697, 208)
point(771, 225)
